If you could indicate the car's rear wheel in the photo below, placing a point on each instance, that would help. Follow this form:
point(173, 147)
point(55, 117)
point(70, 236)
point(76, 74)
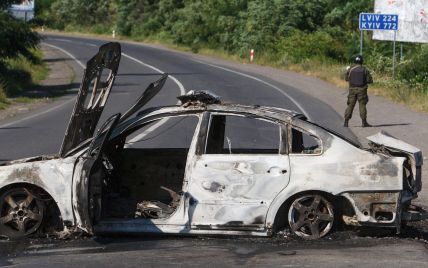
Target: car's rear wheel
point(21, 213)
point(311, 216)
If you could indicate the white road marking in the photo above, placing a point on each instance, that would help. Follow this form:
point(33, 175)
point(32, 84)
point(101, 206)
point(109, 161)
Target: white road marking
point(76, 42)
point(261, 81)
point(52, 108)
point(152, 128)
point(37, 114)
point(180, 86)
point(164, 120)
point(68, 54)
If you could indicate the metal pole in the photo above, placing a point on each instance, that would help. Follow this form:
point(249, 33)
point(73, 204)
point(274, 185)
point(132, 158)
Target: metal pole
point(393, 55)
point(401, 52)
point(361, 42)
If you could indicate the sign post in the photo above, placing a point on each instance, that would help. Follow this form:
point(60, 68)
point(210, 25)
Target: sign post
point(381, 22)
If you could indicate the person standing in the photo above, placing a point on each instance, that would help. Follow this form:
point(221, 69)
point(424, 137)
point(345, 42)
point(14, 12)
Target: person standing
point(358, 77)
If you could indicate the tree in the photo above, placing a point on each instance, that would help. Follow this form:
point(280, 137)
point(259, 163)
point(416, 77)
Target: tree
point(6, 3)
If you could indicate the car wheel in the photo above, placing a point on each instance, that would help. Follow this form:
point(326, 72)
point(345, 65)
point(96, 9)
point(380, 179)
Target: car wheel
point(21, 213)
point(311, 216)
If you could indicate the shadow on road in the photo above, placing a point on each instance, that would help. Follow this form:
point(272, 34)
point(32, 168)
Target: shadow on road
point(52, 90)
point(62, 60)
point(9, 128)
point(153, 74)
point(392, 125)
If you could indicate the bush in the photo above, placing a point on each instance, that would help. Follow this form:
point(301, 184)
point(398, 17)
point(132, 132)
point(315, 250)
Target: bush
point(415, 69)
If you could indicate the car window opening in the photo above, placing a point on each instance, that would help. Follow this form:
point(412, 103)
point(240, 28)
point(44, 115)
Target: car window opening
point(143, 173)
point(230, 134)
point(303, 143)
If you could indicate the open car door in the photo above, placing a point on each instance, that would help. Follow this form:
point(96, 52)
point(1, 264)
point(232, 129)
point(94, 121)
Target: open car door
point(88, 190)
point(147, 95)
point(90, 102)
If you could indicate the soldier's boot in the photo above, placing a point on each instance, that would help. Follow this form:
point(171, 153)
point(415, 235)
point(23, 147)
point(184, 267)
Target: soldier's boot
point(365, 124)
point(346, 123)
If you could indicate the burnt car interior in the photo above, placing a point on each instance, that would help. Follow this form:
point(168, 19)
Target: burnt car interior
point(303, 143)
point(145, 169)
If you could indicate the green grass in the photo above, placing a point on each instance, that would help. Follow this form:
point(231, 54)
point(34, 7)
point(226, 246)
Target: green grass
point(20, 76)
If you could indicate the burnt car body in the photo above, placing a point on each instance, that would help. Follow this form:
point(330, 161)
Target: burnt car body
point(234, 170)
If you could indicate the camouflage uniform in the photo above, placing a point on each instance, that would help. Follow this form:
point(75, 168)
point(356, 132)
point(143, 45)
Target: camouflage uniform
point(359, 78)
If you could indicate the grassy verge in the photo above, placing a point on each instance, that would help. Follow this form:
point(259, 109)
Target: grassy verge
point(415, 97)
point(19, 76)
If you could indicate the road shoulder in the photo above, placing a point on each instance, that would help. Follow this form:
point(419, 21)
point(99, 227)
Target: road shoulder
point(59, 79)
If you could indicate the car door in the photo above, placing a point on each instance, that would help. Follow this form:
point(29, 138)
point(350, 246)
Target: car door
point(242, 169)
point(87, 185)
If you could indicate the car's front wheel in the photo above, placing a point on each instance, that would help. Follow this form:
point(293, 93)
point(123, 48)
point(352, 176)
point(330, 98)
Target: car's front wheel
point(311, 216)
point(21, 213)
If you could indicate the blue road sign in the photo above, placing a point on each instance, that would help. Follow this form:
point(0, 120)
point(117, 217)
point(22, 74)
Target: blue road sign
point(374, 21)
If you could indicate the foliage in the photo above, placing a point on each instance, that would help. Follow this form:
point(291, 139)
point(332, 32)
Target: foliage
point(17, 44)
point(415, 69)
point(6, 3)
point(282, 32)
point(16, 37)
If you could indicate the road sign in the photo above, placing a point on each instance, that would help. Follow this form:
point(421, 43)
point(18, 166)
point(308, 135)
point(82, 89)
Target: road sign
point(374, 21)
point(379, 22)
point(24, 11)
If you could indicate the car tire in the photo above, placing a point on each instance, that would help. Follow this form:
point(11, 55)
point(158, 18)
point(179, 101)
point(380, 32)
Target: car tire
point(21, 213)
point(311, 216)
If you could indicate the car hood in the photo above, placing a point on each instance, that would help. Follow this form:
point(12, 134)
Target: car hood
point(98, 79)
point(385, 139)
point(30, 159)
point(97, 83)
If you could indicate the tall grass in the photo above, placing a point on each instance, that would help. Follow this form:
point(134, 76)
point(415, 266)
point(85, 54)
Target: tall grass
point(20, 75)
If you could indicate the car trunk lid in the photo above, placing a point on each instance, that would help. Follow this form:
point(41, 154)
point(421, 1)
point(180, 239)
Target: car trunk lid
point(396, 146)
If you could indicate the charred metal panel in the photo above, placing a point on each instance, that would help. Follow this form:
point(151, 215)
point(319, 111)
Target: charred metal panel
point(54, 176)
point(90, 102)
point(340, 168)
point(374, 207)
point(147, 95)
point(154, 226)
point(383, 142)
point(235, 188)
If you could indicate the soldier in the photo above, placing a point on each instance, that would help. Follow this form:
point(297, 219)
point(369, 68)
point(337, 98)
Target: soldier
point(358, 77)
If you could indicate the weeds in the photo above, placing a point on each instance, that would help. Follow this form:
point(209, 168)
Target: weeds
point(19, 75)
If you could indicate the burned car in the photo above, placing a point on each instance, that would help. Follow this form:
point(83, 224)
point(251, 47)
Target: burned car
point(205, 167)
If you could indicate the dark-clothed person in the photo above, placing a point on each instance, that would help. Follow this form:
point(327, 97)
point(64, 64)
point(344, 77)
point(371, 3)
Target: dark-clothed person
point(358, 77)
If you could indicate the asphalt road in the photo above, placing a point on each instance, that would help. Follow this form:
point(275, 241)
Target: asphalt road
point(42, 133)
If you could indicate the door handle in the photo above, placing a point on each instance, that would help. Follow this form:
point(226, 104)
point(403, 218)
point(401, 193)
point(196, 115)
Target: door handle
point(277, 170)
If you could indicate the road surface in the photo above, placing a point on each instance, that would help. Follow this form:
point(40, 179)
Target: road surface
point(42, 131)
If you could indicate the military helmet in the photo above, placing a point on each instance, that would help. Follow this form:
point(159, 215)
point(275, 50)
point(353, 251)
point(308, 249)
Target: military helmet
point(358, 59)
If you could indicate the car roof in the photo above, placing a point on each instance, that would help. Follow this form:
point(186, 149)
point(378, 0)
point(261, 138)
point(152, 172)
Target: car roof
point(255, 110)
point(155, 113)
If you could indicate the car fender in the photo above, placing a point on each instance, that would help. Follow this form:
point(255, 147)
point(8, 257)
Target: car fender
point(53, 176)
